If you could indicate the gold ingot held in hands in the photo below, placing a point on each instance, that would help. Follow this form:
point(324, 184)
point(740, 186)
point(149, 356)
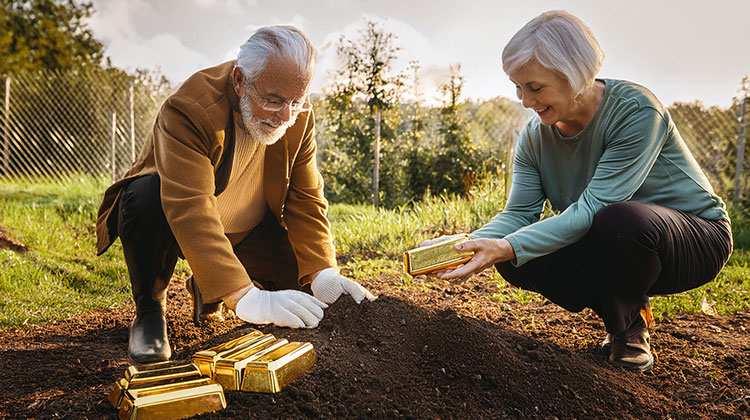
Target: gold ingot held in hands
point(436, 257)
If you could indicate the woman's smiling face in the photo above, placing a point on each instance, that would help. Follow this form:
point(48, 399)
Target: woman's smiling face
point(542, 90)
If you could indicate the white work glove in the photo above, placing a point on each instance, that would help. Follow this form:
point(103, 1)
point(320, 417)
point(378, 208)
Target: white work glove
point(285, 308)
point(329, 285)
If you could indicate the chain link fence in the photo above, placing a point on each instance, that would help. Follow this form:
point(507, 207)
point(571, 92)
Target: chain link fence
point(57, 125)
point(715, 136)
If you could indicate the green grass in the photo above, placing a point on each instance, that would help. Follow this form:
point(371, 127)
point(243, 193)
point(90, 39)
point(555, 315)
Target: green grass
point(363, 229)
point(61, 275)
point(729, 292)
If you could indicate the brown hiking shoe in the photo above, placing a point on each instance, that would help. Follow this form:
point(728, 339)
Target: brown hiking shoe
point(631, 349)
point(605, 347)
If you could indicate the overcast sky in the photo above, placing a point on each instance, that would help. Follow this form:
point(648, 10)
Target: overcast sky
point(682, 50)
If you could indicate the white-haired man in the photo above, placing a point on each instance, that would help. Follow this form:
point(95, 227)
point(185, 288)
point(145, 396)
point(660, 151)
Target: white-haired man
point(228, 179)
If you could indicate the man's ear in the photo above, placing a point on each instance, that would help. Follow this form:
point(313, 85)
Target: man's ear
point(237, 80)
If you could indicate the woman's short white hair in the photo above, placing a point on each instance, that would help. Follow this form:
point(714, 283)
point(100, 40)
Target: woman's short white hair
point(285, 42)
point(559, 42)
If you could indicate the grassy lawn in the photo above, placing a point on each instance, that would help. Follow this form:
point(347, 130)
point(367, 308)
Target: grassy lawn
point(60, 275)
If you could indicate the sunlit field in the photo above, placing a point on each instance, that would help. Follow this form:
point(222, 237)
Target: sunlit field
point(61, 275)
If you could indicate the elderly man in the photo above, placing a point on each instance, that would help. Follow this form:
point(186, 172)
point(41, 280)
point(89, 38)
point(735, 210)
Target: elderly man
point(228, 179)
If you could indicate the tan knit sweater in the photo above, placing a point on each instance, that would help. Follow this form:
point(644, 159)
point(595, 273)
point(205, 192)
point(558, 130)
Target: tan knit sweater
point(242, 205)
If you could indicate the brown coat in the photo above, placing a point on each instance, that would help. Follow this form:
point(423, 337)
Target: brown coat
point(191, 148)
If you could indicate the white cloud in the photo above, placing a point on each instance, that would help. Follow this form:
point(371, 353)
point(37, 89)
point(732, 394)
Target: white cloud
point(113, 25)
point(166, 51)
point(230, 6)
point(698, 55)
point(433, 61)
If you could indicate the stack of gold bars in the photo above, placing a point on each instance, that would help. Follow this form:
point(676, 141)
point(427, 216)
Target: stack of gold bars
point(255, 362)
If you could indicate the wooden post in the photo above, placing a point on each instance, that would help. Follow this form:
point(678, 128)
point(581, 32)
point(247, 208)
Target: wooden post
point(510, 153)
point(132, 125)
point(376, 169)
point(740, 151)
point(114, 134)
point(6, 129)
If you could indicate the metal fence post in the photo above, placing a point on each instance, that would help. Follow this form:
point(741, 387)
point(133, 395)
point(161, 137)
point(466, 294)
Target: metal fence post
point(132, 125)
point(740, 150)
point(6, 129)
point(114, 133)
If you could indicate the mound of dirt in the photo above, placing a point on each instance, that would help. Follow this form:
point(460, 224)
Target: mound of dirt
point(433, 350)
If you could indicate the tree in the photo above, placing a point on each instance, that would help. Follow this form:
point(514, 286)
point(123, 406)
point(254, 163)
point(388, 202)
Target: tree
point(419, 176)
point(455, 161)
point(47, 35)
point(367, 73)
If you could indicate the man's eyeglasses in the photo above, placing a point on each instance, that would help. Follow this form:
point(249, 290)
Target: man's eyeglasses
point(277, 105)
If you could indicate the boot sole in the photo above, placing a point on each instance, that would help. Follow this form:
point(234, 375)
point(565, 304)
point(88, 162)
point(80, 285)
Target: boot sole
point(633, 367)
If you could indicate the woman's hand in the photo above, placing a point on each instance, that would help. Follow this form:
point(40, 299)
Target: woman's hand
point(487, 252)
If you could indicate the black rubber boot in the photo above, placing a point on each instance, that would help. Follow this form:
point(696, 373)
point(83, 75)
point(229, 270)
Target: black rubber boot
point(151, 253)
point(148, 341)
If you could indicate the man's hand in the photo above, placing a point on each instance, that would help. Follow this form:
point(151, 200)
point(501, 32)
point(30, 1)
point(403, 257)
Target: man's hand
point(487, 252)
point(285, 308)
point(329, 285)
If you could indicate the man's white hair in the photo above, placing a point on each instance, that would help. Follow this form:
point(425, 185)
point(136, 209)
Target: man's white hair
point(559, 42)
point(285, 42)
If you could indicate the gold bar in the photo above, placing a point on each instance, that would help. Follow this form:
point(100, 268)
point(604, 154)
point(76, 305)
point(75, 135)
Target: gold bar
point(439, 256)
point(168, 401)
point(140, 376)
point(228, 372)
point(274, 370)
point(160, 371)
point(117, 392)
point(206, 359)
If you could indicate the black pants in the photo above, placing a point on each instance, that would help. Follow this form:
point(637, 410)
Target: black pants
point(152, 251)
point(633, 250)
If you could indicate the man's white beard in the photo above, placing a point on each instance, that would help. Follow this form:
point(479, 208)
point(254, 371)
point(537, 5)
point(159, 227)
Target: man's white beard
point(259, 130)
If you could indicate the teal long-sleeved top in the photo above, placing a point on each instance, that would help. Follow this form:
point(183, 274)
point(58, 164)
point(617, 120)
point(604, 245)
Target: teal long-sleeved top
point(631, 150)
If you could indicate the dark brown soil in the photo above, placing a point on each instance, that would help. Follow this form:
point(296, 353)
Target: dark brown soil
point(433, 350)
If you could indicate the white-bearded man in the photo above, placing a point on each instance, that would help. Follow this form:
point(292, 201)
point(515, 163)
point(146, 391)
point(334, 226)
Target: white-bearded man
point(228, 179)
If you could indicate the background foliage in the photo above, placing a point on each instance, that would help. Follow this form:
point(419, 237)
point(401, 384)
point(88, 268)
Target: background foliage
point(444, 167)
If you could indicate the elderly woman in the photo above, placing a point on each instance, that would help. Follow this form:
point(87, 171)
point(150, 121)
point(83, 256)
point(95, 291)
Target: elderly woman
point(638, 216)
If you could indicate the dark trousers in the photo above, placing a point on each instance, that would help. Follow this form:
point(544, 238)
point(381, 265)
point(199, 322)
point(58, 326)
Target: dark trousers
point(632, 251)
point(151, 250)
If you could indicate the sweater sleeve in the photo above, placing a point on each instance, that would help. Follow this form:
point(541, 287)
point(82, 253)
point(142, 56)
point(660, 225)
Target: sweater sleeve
point(633, 144)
